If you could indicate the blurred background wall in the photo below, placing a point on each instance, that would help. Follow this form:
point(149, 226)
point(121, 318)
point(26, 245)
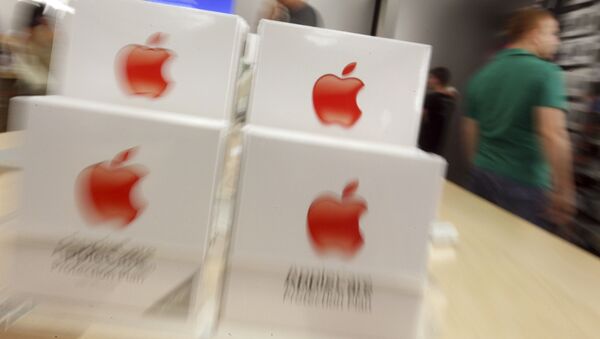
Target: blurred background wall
point(6, 14)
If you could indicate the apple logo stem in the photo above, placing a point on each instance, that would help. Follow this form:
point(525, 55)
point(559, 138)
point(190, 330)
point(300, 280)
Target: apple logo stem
point(333, 224)
point(334, 98)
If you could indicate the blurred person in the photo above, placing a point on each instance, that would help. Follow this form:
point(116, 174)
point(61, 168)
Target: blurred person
point(515, 128)
point(440, 102)
point(452, 91)
point(295, 12)
point(31, 49)
point(275, 11)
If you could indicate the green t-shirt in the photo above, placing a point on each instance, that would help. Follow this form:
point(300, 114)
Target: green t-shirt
point(502, 98)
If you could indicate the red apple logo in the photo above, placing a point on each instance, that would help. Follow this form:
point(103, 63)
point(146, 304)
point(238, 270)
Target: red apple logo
point(104, 191)
point(334, 99)
point(333, 224)
point(140, 68)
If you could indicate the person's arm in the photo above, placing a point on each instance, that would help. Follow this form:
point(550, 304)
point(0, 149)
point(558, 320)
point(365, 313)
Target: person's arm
point(550, 122)
point(470, 130)
point(469, 123)
point(551, 128)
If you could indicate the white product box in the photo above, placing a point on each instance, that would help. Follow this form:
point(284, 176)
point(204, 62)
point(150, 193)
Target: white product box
point(331, 235)
point(117, 201)
point(150, 55)
point(339, 84)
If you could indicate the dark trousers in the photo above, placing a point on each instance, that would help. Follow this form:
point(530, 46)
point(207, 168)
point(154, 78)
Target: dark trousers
point(527, 202)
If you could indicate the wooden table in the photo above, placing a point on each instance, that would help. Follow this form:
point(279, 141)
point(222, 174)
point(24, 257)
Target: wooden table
point(505, 279)
point(510, 279)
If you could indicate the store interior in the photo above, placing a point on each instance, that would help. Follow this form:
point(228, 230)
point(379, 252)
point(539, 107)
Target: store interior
point(464, 36)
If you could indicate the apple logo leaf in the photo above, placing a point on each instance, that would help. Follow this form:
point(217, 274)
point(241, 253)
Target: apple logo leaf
point(156, 39)
point(350, 189)
point(349, 68)
point(122, 157)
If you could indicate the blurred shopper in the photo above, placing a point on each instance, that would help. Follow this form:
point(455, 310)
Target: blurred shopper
point(31, 49)
point(439, 105)
point(515, 125)
point(295, 12)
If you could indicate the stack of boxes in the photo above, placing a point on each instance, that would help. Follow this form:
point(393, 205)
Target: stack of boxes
point(121, 166)
point(334, 201)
